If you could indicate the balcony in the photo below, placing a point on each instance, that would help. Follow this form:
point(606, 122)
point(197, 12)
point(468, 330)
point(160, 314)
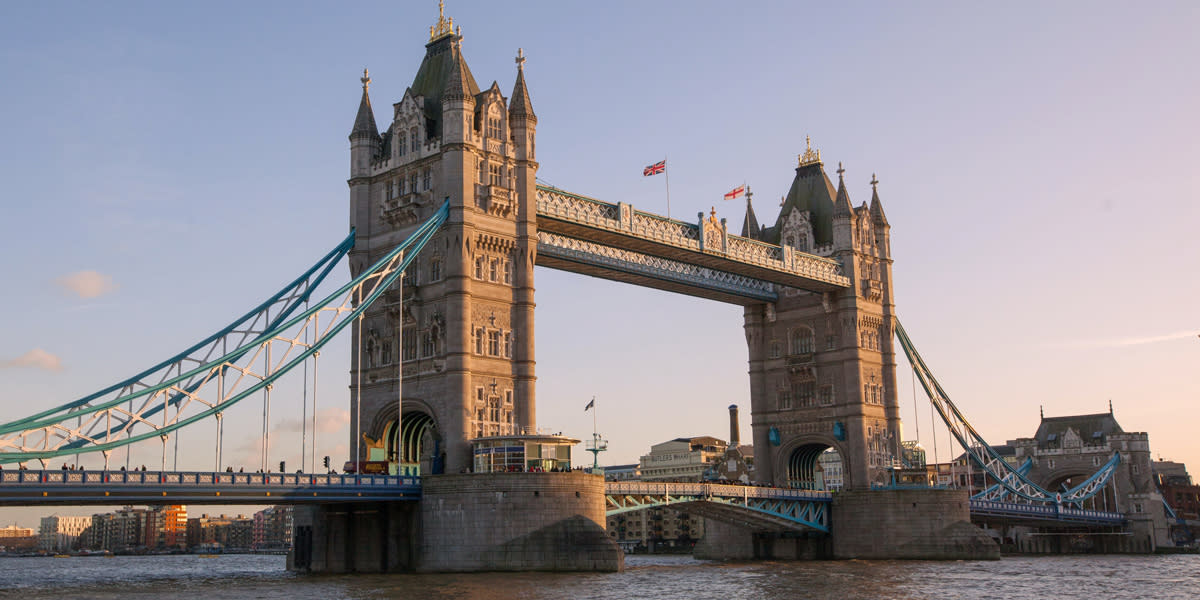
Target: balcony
point(872, 289)
point(494, 200)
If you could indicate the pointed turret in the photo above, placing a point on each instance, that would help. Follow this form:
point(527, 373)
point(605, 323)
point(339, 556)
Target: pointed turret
point(364, 123)
point(876, 206)
point(842, 207)
point(459, 83)
point(750, 226)
point(811, 192)
point(519, 106)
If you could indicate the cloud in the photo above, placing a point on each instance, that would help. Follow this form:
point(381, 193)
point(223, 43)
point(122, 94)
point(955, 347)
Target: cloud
point(330, 420)
point(1133, 341)
point(36, 359)
point(87, 284)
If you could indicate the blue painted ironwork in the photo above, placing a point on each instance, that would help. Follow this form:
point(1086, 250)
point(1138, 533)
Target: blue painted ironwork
point(1016, 483)
point(1024, 511)
point(800, 508)
point(99, 424)
point(34, 488)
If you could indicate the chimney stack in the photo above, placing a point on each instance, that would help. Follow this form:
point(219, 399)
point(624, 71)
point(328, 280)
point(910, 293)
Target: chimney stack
point(733, 426)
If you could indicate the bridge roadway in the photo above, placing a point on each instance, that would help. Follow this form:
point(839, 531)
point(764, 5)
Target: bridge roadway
point(78, 488)
point(749, 506)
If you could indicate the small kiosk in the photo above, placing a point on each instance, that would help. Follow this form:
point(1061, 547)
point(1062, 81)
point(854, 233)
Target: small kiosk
point(522, 453)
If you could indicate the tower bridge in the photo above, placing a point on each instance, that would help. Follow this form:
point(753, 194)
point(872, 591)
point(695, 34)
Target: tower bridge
point(448, 223)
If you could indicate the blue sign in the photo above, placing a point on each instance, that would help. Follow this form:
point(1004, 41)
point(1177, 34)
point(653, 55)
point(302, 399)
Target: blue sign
point(839, 431)
point(773, 436)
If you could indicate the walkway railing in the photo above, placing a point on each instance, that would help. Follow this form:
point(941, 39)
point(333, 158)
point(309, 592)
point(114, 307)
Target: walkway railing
point(1051, 512)
point(199, 487)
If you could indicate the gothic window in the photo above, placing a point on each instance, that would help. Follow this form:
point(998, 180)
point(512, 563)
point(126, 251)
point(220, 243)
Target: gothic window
point(369, 353)
point(479, 341)
point(493, 174)
point(412, 182)
point(507, 272)
point(801, 341)
point(427, 346)
point(409, 343)
point(493, 127)
point(830, 342)
point(775, 349)
point(403, 143)
point(508, 344)
point(386, 359)
point(416, 143)
point(508, 395)
point(494, 270)
point(400, 186)
point(494, 343)
point(389, 191)
point(479, 267)
point(826, 397)
point(804, 393)
point(427, 179)
point(435, 269)
point(785, 399)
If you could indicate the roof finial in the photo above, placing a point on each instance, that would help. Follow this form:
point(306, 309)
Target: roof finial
point(366, 79)
point(840, 170)
point(748, 193)
point(444, 26)
point(1110, 406)
point(520, 59)
point(874, 183)
point(1042, 411)
point(810, 156)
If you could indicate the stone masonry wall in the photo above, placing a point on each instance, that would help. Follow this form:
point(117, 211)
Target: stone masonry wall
point(515, 522)
point(907, 524)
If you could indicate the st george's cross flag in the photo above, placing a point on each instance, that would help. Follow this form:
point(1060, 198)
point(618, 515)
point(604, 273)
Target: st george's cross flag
point(736, 192)
point(656, 168)
point(589, 405)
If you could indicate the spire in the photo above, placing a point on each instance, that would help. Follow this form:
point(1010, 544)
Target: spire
point(750, 226)
point(459, 84)
point(364, 122)
point(876, 206)
point(842, 206)
point(519, 105)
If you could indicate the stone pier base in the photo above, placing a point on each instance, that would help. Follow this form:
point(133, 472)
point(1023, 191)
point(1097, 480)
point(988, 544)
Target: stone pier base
point(908, 524)
point(374, 537)
point(723, 541)
point(515, 522)
point(469, 522)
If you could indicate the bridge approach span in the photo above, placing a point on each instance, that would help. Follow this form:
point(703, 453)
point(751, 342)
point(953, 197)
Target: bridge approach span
point(79, 488)
point(754, 508)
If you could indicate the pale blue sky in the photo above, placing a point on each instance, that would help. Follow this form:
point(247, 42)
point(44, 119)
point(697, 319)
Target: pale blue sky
point(1037, 163)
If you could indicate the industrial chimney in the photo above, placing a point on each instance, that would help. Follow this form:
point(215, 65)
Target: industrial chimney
point(733, 426)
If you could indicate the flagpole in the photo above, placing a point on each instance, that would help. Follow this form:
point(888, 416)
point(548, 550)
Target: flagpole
point(667, 172)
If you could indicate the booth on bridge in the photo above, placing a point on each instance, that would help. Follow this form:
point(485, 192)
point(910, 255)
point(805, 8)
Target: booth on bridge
point(522, 453)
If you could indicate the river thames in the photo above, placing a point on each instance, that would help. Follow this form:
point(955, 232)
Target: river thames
point(263, 577)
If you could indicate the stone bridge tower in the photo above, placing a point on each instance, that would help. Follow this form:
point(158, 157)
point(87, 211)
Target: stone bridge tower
point(822, 365)
point(464, 337)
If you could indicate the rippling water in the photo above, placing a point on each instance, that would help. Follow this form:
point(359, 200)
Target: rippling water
point(253, 576)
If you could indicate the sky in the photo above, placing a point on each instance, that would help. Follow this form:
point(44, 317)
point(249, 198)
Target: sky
point(166, 166)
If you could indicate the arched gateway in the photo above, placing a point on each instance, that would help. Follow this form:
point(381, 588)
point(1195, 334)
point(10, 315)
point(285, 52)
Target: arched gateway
point(459, 331)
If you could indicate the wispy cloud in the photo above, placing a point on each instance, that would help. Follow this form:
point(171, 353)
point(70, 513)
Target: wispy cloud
point(87, 284)
point(1133, 341)
point(34, 359)
point(330, 420)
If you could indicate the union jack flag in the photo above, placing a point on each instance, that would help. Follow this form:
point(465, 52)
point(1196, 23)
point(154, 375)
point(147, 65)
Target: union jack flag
point(656, 168)
point(735, 192)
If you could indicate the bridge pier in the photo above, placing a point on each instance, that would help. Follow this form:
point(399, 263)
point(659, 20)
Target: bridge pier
point(466, 522)
point(724, 541)
point(907, 524)
point(366, 537)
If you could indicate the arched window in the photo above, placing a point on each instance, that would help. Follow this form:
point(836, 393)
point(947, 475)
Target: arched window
point(800, 341)
point(435, 269)
point(415, 142)
point(402, 143)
